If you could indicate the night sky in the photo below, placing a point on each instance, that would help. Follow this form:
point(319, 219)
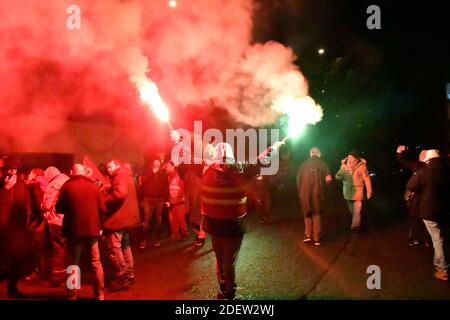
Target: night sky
point(380, 87)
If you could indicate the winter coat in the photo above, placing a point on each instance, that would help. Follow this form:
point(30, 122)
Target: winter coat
point(354, 181)
point(51, 197)
point(155, 185)
point(412, 199)
point(122, 202)
point(311, 184)
point(432, 182)
point(16, 250)
point(83, 206)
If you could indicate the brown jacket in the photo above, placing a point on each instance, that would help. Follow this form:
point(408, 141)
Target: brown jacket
point(122, 202)
point(354, 181)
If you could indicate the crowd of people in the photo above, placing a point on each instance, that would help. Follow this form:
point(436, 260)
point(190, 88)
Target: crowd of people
point(47, 217)
point(52, 216)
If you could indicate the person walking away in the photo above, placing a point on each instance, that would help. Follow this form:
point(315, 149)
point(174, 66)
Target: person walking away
point(82, 204)
point(312, 177)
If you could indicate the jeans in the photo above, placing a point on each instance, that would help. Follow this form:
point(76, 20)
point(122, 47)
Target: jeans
point(153, 208)
point(74, 247)
point(438, 244)
point(119, 252)
point(226, 251)
point(355, 206)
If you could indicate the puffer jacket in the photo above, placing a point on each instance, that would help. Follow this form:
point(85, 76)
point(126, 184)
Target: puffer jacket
point(121, 201)
point(354, 181)
point(55, 179)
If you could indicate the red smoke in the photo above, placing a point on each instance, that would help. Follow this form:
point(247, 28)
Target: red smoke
point(198, 53)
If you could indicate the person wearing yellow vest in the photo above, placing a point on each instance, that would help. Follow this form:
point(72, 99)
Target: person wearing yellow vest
point(224, 204)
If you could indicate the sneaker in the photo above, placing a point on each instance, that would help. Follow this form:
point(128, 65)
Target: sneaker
point(413, 243)
point(199, 242)
point(143, 244)
point(317, 243)
point(157, 244)
point(441, 275)
point(307, 239)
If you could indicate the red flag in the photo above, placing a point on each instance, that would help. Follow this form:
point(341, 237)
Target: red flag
point(93, 173)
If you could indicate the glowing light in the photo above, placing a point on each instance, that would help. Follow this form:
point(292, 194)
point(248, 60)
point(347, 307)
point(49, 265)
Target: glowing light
point(149, 94)
point(172, 4)
point(300, 112)
point(321, 51)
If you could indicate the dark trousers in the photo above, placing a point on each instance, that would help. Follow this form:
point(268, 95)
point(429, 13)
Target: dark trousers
point(416, 226)
point(75, 247)
point(58, 255)
point(153, 209)
point(226, 251)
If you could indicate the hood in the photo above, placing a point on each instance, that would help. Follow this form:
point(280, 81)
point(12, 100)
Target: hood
point(50, 173)
point(360, 162)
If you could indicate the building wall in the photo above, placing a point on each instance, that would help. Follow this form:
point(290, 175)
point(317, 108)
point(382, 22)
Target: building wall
point(99, 142)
